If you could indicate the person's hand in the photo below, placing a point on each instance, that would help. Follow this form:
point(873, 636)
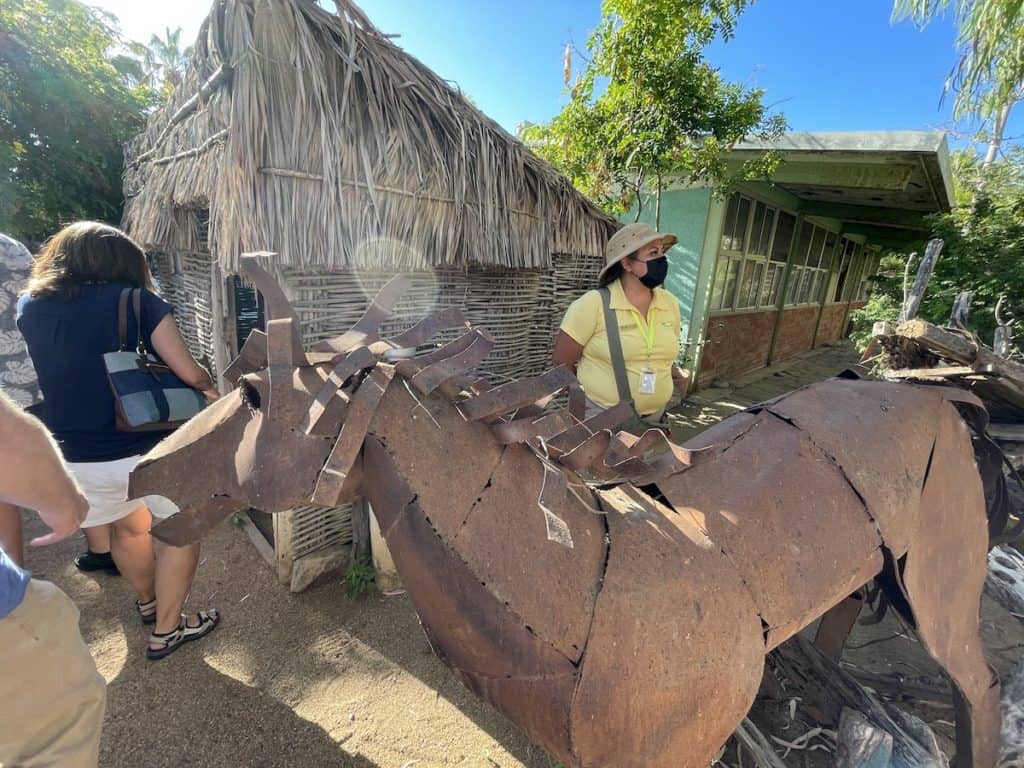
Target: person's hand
point(210, 394)
point(62, 522)
point(681, 380)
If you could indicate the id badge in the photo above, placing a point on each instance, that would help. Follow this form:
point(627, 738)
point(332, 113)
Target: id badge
point(647, 380)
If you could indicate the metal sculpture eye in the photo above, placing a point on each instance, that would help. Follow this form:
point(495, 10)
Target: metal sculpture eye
point(250, 395)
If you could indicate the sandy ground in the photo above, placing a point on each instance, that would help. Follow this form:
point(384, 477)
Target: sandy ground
point(287, 680)
point(316, 679)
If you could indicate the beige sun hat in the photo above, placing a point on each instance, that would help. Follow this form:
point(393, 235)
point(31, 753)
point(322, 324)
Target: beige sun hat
point(630, 239)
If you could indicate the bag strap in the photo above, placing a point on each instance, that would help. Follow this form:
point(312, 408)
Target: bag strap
point(137, 306)
point(611, 328)
point(122, 320)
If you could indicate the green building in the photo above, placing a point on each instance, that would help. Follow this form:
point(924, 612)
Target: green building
point(776, 268)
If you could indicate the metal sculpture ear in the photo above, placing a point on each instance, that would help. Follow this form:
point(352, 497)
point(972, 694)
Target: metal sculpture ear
point(367, 328)
point(277, 304)
point(284, 344)
point(252, 357)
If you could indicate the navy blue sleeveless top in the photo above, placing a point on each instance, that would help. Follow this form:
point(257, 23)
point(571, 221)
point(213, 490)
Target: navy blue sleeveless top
point(67, 339)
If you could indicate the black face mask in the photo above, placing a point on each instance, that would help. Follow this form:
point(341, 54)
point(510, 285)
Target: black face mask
point(657, 270)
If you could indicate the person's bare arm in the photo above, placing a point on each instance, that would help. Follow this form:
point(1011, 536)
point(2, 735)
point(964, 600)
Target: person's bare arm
point(681, 379)
point(567, 350)
point(10, 533)
point(169, 345)
point(33, 475)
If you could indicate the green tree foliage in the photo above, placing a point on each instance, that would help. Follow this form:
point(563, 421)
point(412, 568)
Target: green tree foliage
point(65, 110)
point(984, 250)
point(990, 71)
point(164, 60)
point(647, 105)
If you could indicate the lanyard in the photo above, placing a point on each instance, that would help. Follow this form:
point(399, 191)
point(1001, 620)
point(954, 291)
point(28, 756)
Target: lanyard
point(646, 331)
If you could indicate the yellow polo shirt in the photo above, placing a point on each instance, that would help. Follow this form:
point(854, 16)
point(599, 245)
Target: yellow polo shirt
point(584, 322)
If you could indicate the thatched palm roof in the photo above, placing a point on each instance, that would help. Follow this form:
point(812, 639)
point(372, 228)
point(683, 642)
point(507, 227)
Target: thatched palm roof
point(313, 135)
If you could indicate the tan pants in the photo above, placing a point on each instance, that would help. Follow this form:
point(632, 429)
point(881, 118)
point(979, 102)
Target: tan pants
point(51, 696)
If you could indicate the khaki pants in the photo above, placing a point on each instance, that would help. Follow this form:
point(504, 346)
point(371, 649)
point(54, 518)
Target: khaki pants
point(51, 696)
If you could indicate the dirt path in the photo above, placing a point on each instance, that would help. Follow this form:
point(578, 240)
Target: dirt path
point(287, 680)
point(319, 680)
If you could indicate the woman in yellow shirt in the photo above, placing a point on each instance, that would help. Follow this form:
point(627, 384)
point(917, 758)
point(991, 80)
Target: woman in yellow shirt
point(643, 369)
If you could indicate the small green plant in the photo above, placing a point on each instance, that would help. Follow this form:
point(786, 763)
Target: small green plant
point(359, 578)
point(237, 520)
point(880, 307)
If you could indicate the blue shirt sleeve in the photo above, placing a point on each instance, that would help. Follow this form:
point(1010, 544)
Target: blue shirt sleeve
point(154, 309)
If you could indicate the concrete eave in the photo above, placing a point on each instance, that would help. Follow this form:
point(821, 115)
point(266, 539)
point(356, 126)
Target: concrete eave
point(895, 170)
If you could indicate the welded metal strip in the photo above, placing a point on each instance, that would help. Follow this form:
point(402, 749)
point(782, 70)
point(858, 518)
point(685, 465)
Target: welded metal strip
point(428, 327)
point(409, 367)
point(660, 455)
point(355, 361)
point(577, 402)
point(552, 492)
point(571, 438)
point(357, 422)
point(277, 305)
point(367, 327)
point(589, 453)
point(517, 394)
point(430, 378)
point(531, 427)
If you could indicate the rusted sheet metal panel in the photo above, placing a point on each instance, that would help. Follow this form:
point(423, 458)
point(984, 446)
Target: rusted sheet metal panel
point(943, 578)
point(783, 536)
point(448, 463)
point(880, 435)
point(539, 707)
point(191, 525)
point(505, 543)
point(675, 654)
point(170, 468)
point(489, 647)
point(723, 433)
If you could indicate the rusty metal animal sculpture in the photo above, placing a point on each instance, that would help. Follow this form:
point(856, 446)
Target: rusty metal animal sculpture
point(612, 595)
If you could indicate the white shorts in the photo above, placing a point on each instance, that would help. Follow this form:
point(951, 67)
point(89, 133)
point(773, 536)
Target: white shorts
point(105, 485)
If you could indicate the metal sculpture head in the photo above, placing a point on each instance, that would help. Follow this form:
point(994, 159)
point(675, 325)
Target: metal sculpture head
point(292, 431)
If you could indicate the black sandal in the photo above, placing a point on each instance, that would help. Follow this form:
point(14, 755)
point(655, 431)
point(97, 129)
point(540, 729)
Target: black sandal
point(97, 561)
point(170, 641)
point(147, 611)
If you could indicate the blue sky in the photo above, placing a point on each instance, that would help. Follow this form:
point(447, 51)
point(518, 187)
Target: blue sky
point(827, 64)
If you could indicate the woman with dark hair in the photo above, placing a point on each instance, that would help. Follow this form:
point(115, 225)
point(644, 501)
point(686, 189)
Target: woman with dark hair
point(69, 318)
point(634, 363)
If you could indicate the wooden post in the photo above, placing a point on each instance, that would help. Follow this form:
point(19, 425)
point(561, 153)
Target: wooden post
point(961, 309)
point(924, 273)
point(361, 549)
point(787, 278)
point(385, 572)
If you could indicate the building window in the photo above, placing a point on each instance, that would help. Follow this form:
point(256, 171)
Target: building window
point(855, 266)
point(810, 268)
point(752, 255)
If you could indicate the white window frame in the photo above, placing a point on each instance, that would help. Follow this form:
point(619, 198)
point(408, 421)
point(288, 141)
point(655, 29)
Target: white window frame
point(808, 284)
point(723, 302)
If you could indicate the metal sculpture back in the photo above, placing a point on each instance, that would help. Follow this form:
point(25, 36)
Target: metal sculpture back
point(612, 595)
